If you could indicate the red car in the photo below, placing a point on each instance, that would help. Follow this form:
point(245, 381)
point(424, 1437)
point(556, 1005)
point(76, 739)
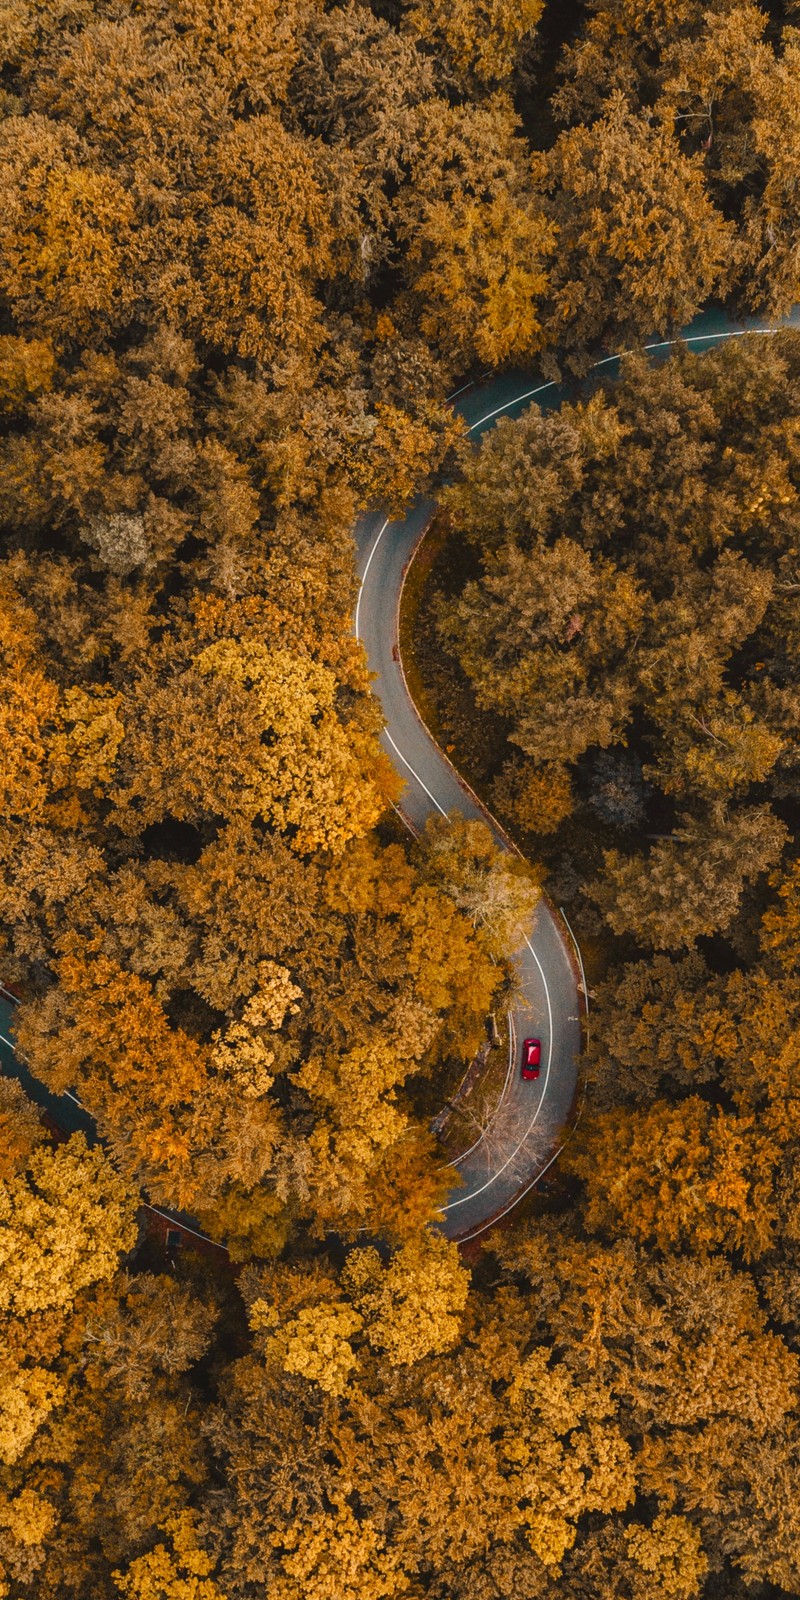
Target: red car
point(531, 1057)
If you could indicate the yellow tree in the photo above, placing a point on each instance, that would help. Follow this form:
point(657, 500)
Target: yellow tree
point(770, 232)
point(28, 701)
point(412, 1307)
point(710, 81)
point(179, 1570)
point(626, 45)
point(670, 1558)
point(681, 1174)
point(535, 798)
point(248, 898)
point(691, 882)
point(27, 368)
point(701, 1386)
point(333, 1553)
point(65, 1218)
point(253, 45)
point(20, 1128)
point(477, 240)
point(567, 1441)
point(661, 1025)
point(315, 1344)
point(481, 39)
point(780, 924)
point(182, 1123)
point(360, 1119)
point(632, 209)
point(312, 776)
point(66, 233)
point(545, 637)
point(267, 239)
point(496, 891)
point(85, 739)
point(451, 968)
point(714, 749)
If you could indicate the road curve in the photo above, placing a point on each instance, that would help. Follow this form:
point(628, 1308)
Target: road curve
point(519, 1139)
point(524, 1131)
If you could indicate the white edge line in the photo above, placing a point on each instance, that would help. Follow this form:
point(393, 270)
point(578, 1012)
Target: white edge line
point(529, 395)
point(380, 535)
point(485, 1226)
point(441, 810)
point(183, 1226)
point(665, 344)
point(414, 774)
point(471, 383)
point(660, 344)
point(398, 752)
point(473, 1195)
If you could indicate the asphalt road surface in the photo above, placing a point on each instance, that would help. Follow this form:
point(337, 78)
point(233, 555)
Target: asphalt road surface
point(518, 1142)
point(523, 1134)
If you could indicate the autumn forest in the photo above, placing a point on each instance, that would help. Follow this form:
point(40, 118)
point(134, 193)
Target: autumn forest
point(249, 250)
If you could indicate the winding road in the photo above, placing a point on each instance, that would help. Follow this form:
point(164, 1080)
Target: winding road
point(522, 1136)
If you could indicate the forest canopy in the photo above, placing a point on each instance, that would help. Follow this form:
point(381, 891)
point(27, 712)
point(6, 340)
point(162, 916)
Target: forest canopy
point(247, 249)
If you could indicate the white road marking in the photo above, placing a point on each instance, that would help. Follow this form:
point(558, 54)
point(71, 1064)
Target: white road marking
point(398, 752)
point(464, 1238)
point(473, 1194)
point(407, 764)
point(661, 344)
point(528, 395)
point(381, 533)
point(184, 1226)
point(414, 774)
